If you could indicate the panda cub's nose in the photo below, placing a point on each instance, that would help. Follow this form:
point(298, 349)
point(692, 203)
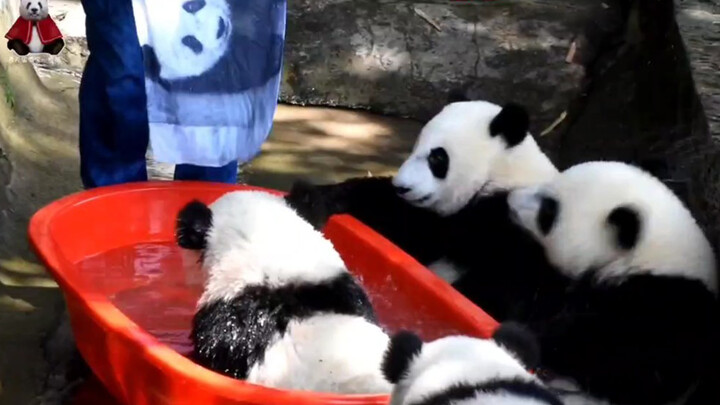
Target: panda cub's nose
point(34, 9)
point(401, 190)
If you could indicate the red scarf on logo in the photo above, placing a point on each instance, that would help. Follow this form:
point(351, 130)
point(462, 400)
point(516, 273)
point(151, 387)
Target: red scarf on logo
point(22, 30)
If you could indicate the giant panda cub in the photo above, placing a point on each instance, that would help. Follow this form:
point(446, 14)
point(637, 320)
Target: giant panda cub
point(460, 370)
point(279, 307)
point(639, 315)
point(447, 205)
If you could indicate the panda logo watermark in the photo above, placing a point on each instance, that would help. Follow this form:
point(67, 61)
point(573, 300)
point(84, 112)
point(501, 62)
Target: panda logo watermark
point(34, 31)
point(41, 59)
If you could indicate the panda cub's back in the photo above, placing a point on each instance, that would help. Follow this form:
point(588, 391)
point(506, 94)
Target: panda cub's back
point(279, 306)
point(344, 346)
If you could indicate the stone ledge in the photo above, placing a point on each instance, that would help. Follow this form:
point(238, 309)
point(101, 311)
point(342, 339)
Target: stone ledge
point(699, 23)
point(404, 57)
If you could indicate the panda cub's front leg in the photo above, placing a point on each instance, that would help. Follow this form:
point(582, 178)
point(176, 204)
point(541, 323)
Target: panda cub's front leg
point(309, 202)
point(369, 199)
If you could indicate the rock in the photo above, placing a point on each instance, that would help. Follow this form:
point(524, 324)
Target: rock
point(699, 26)
point(640, 100)
point(389, 57)
point(699, 23)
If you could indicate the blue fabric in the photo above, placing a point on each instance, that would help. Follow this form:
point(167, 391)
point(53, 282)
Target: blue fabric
point(224, 174)
point(213, 70)
point(113, 116)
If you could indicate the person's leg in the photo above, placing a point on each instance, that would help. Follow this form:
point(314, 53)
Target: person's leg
point(225, 174)
point(102, 162)
point(114, 131)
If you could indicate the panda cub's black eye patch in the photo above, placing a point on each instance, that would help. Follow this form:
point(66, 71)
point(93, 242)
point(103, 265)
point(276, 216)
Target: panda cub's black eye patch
point(439, 161)
point(194, 6)
point(547, 214)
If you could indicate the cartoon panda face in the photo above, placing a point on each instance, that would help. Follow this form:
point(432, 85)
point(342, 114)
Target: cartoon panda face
point(34, 10)
point(189, 36)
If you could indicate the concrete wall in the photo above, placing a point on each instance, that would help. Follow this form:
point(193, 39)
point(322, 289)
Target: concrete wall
point(403, 57)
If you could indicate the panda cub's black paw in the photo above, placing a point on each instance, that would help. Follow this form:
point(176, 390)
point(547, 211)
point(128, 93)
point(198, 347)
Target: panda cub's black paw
point(307, 200)
point(521, 341)
point(404, 346)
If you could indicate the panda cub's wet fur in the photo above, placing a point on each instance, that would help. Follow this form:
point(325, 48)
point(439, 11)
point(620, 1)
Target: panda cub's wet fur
point(447, 205)
point(638, 322)
point(279, 307)
point(460, 370)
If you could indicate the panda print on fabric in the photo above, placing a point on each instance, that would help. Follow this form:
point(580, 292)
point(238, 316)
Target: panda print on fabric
point(212, 75)
point(212, 46)
point(203, 33)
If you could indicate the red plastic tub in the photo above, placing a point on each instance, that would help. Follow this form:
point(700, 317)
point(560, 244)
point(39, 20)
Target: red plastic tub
point(139, 352)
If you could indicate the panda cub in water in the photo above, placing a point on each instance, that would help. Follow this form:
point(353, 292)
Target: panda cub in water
point(447, 204)
point(460, 370)
point(639, 313)
point(279, 306)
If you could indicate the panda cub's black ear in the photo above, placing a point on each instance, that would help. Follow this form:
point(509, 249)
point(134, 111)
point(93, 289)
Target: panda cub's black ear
point(457, 95)
point(193, 223)
point(403, 347)
point(519, 340)
point(512, 123)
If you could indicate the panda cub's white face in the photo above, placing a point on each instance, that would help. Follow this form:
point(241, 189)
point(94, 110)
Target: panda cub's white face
point(614, 218)
point(471, 148)
point(188, 36)
point(451, 159)
point(34, 10)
